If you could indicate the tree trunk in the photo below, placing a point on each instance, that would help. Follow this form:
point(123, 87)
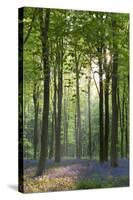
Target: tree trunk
point(52, 138)
point(106, 115)
point(65, 126)
point(78, 122)
point(119, 113)
point(60, 83)
point(36, 108)
point(122, 125)
point(101, 151)
point(89, 119)
point(20, 98)
point(44, 25)
point(114, 135)
point(76, 135)
point(126, 133)
point(54, 104)
point(53, 99)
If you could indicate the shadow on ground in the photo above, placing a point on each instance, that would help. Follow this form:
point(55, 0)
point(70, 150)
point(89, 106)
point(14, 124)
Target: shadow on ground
point(13, 187)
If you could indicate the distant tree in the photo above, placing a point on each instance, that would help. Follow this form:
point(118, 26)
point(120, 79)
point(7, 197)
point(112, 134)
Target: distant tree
point(60, 91)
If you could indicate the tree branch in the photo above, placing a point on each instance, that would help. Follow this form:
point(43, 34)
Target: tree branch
point(31, 25)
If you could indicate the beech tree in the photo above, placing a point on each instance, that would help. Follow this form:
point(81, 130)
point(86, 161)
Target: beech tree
point(44, 27)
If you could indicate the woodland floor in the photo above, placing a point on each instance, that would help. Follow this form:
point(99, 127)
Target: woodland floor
point(72, 174)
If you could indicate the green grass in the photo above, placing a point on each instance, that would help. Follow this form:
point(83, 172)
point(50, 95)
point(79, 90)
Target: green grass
point(88, 184)
point(92, 184)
